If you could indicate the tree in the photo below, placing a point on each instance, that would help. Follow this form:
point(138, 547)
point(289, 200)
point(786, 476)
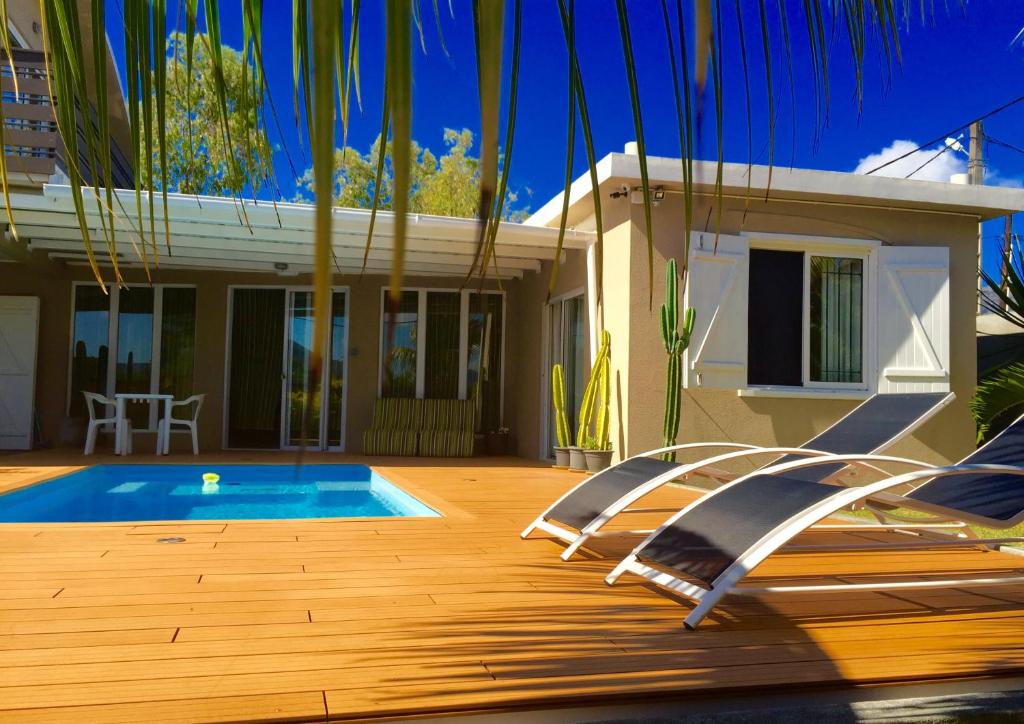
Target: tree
point(199, 159)
point(448, 185)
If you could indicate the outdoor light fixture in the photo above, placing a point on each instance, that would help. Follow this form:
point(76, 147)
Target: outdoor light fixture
point(280, 266)
point(659, 193)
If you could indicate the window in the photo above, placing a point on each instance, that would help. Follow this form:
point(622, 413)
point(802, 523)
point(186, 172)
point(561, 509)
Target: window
point(444, 344)
point(805, 319)
point(140, 339)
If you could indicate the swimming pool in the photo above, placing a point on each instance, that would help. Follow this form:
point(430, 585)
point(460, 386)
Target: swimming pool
point(105, 493)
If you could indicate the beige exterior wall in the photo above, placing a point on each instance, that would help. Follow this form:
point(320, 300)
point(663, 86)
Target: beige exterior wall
point(723, 415)
point(53, 284)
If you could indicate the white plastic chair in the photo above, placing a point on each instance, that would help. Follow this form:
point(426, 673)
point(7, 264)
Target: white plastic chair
point(91, 400)
point(188, 424)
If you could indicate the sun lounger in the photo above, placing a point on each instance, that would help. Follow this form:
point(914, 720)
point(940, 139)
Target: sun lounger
point(707, 549)
point(871, 427)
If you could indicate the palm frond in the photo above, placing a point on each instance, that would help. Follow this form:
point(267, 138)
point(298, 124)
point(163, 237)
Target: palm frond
point(570, 146)
point(1007, 290)
point(399, 80)
point(997, 396)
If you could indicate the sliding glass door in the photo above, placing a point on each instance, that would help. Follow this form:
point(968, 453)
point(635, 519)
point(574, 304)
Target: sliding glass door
point(566, 321)
point(274, 402)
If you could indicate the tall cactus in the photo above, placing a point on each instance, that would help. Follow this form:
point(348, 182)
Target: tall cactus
point(558, 395)
point(601, 433)
point(590, 391)
point(676, 341)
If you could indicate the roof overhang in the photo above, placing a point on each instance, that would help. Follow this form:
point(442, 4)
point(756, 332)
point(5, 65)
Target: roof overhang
point(757, 183)
point(259, 236)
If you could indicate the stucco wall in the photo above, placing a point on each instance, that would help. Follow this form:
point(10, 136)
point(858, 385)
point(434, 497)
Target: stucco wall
point(722, 415)
point(53, 282)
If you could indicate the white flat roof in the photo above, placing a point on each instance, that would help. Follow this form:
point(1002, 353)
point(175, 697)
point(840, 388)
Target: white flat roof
point(222, 233)
point(739, 179)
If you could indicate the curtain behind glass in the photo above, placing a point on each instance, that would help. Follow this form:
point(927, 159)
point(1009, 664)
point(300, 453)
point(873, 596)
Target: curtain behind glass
point(836, 323)
point(178, 341)
point(483, 368)
point(399, 358)
point(90, 351)
point(135, 349)
point(336, 378)
point(441, 363)
point(254, 406)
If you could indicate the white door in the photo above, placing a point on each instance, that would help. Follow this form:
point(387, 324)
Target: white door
point(19, 330)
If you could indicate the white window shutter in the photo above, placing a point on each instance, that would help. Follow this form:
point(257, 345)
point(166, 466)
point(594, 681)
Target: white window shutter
point(913, 319)
point(716, 288)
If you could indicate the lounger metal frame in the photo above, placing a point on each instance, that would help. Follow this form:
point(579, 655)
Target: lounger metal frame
point(728, 581)
point(576, 539)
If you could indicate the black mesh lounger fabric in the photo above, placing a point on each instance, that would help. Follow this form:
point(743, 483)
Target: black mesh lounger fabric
point(706, 541)
point(591, 499)
point(868, 428)
point(999, 498)
point(864, 430)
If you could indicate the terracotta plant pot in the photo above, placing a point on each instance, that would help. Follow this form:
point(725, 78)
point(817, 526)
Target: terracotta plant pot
point(577, 460)
point(562, 458)
point(598, 460)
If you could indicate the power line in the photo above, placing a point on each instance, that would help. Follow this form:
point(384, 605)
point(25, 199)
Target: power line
point(1004, 144)
point(947, 134)
point(941, 151)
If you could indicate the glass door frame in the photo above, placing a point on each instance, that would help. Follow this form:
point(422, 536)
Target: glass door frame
point(289, 290)
point(553, 351)
point(113, 331)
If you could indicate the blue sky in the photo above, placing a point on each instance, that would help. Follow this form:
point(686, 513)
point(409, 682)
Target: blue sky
point(954, 68)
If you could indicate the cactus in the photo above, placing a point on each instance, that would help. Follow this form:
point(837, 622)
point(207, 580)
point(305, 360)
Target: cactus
point(676, 341)
point(601, 433)
point(558, 395)
point(591, 390)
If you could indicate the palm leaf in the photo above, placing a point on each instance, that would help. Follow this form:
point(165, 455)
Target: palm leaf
point(684, 119)
point(385, 121)
point(997, 396)
point(570, 147)
point(399, 80)
point(3, 125)
point(510, 129)
point(641, 146)
point(488, 19)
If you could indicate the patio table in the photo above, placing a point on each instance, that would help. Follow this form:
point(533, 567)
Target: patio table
point(121, 398)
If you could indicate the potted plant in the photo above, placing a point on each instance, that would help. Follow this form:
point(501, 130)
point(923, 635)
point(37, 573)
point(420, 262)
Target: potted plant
point(561, 419)
point(595, 448)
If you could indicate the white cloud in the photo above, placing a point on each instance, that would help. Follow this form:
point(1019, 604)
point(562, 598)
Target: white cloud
point(939, 169)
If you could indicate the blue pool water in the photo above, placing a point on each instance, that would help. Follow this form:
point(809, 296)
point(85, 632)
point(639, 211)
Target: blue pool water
point(177, 492)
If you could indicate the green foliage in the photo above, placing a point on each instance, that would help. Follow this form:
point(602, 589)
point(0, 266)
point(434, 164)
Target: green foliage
point(590, 393)
point(1002, 391)
point(200, 159)
point(448, 185)
point(558, 399)
point(676, 343)
point(997, 396)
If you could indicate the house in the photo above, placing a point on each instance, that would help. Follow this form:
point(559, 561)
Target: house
point(819, 291)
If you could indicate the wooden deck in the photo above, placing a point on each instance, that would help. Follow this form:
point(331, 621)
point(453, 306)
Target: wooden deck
point(315, 620)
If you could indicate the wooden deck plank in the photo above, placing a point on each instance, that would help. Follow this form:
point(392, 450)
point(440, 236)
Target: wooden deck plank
point(279, 620)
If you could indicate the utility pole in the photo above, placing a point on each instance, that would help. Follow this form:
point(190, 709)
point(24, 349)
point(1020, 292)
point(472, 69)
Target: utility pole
point(976, 177)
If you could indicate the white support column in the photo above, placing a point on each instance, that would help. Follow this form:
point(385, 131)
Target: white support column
point(592, 310)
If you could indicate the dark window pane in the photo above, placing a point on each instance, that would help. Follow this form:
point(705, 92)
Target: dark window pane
point(399, 357)
point(836, 320)
point(178, 341)
point(775, 318)
point(254, 405)
point(90, 350)
point(441, 363)
point(135, 349)
point(336, 379)
point(483, 368)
